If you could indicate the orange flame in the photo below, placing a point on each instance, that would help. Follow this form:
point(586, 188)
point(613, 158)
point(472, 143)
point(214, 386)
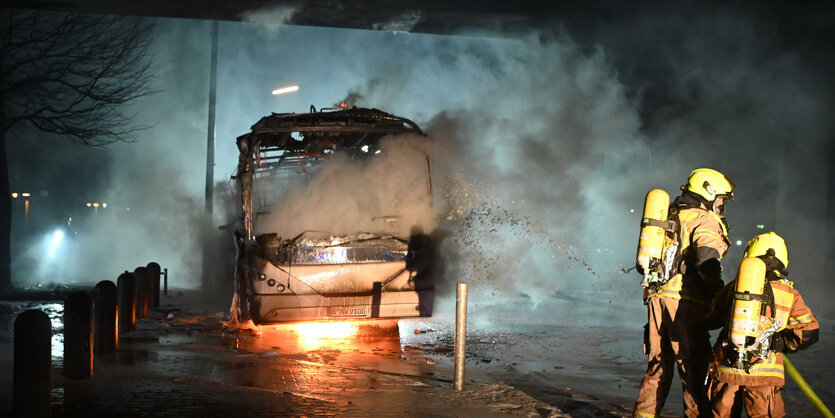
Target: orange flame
point(312, 333)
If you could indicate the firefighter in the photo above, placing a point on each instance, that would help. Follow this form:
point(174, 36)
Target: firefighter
point(789, 325)
point(675, 334)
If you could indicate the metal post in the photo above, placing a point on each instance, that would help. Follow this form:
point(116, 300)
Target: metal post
point(460, 335)
point(126, 285)
point(105, 314)
point(143, 292)
point(210, 138)
point(210, 149)
point(78, 336)
point(154, 270)
point(165, 288)
point(32, 364)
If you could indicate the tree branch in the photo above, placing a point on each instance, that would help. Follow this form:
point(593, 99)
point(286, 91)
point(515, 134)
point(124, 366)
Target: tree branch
point(69, 74)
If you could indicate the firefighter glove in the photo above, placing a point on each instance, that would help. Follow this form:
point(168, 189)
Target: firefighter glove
point(711, 273)
point(639, 269)
point(785, 341)
point(778, 343)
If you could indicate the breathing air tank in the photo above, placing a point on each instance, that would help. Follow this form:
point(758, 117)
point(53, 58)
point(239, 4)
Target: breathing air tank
point(651, 241)
point(747, 306)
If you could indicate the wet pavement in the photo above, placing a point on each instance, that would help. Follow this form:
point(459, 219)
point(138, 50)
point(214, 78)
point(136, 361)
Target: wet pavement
point(182, 361)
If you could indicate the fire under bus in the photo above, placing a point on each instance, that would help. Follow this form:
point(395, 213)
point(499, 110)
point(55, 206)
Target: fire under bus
point(315, 276)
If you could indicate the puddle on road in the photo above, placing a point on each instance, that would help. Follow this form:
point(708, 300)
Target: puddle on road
point(54, 310)
point(358, 357)
point(312, 359)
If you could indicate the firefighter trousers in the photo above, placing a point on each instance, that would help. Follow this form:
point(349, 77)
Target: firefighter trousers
point(759, 401)
point(674, 336)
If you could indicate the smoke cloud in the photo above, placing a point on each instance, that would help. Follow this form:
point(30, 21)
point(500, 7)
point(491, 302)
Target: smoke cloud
point(536, 157)
point(542, 145)
point(270, 16)
point(349, 196)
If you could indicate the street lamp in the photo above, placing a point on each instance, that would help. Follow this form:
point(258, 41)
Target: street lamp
point(95, 206)
point(26, 196)
point(26, 209)
point(289, 89)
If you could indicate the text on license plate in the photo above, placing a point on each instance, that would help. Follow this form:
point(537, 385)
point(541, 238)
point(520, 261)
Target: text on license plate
point(348, 311)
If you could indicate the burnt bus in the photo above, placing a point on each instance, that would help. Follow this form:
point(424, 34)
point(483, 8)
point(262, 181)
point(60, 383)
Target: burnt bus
point(317, 275)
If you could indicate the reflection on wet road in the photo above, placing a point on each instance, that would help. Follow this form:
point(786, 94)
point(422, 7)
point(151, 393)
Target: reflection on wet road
point(186, 364)
point(55, 311)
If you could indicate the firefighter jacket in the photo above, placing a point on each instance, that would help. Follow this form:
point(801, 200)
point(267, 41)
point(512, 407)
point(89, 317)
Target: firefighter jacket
point(798, 328)
point(703, 241)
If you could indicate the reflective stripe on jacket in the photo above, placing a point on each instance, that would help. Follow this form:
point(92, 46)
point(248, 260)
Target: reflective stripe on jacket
point(792, 313)
point(702, 235)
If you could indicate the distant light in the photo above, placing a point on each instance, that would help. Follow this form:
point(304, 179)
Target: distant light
point(25, 194)
point(378, 151)
point(288, 89)
point(760, 226)
point(738, 242)
point(631, 210)
point(89, 204)
point(364, 148)
point(54, 242)
point(95, 204)
point(14, 195)
point(104, 205)
point(127, 209)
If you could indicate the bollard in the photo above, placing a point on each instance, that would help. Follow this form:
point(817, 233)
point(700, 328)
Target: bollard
point(78, 336)
point(126, 285)
point(165, 289)
point(154, 270)
point(105, 318)
point(460, 335)
point(143, 292)
point(32, 364)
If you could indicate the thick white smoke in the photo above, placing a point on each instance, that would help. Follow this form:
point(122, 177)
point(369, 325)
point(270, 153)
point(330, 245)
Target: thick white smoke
point(349, 196)
point(537, 167)
point(269, 17)
point(544, 144)
point(548, 160)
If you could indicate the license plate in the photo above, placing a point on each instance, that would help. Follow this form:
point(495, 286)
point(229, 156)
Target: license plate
point(348, 311)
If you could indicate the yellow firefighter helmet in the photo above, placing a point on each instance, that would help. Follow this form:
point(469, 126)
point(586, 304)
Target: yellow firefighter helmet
point(760, 245)
point(709, 184)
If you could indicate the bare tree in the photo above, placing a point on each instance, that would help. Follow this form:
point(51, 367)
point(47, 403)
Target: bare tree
point(68, 74)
